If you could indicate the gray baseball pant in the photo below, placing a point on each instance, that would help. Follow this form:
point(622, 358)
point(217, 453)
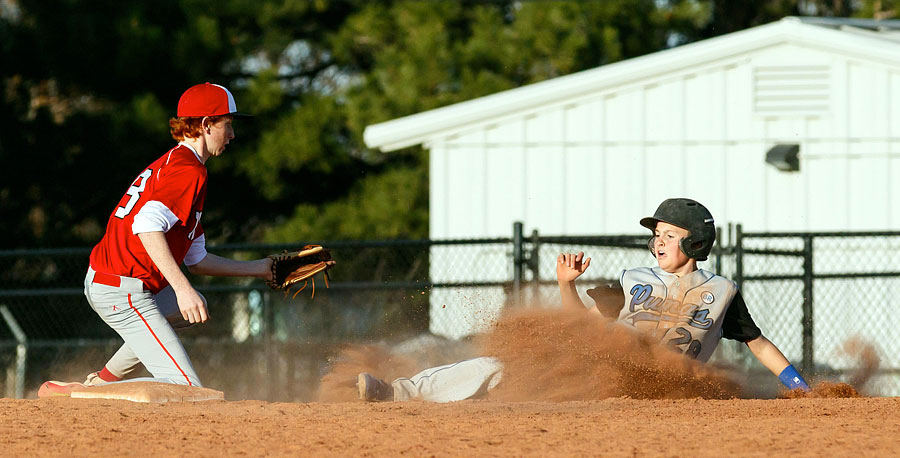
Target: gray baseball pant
point(146, 322)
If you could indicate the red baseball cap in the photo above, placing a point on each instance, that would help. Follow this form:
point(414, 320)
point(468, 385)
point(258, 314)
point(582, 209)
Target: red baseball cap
point(207, 99)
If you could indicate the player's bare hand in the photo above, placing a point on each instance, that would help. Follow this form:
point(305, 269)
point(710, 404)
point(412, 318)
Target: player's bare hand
point(192, 307)
point(269, 274)
point(570, 266)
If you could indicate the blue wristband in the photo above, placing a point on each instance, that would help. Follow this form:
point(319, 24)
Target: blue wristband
point(792, 379)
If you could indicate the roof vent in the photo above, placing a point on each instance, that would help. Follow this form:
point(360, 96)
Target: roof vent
point(791, 90)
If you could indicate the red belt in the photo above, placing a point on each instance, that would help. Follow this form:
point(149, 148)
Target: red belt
point(107, 279)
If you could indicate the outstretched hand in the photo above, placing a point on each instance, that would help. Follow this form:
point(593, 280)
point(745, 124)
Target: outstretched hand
point(570, 266)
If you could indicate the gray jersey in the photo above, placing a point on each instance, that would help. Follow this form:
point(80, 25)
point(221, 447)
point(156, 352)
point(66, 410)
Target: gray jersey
point(685, 313)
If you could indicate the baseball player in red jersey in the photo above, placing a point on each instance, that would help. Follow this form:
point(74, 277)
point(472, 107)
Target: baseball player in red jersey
point(686, 308)
point(134, 281)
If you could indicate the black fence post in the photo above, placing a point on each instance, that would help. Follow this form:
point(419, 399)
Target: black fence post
point(533, 264)
point(719, 251)
point(518, 261)
point(739, 257)
point(269, 339)
point(807, 363)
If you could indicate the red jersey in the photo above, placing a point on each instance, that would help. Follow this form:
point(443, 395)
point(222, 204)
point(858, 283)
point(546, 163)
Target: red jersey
point(174, 186)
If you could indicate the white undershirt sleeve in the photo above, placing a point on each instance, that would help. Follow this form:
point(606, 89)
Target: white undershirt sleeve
point(153, 217)
point(196, 252)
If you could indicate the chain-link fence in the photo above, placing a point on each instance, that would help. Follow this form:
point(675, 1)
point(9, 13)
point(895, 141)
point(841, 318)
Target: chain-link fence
point(258, 343)
point(264, 345)
point(830, 300)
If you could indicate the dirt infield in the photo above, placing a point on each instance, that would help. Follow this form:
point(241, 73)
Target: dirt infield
point(572, 386)
point(611, 427)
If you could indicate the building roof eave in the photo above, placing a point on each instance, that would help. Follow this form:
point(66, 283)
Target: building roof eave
point(419, 128)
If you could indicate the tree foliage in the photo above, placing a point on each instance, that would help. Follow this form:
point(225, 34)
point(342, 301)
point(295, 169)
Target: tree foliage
point(86, 89)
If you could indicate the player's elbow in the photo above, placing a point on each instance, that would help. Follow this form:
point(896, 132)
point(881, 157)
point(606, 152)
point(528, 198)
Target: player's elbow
point(197, 269)
point(760, 345)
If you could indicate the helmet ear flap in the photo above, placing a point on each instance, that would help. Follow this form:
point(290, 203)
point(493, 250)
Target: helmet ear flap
point(686, 245)
point(650, 243)
point(694, 249)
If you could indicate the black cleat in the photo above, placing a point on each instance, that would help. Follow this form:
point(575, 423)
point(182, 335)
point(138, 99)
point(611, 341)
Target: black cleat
point(372, 388)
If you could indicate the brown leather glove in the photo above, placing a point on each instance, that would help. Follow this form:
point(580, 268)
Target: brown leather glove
point(292, 267)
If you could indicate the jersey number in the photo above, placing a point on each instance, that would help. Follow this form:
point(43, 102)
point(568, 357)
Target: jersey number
point(694, 346)
point(135, 192)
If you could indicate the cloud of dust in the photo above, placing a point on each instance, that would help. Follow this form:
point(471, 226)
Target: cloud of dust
point(389, 361)
point(552, 355)
point(866, 357)
point(824, 390)
point(339, 384)
point(867, 363)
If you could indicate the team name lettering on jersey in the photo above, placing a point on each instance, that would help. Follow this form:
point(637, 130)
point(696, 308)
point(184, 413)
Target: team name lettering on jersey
point(666, 309)
point(684, 313)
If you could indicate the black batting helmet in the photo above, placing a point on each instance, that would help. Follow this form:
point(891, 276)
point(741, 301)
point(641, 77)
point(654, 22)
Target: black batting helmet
point(690, 215)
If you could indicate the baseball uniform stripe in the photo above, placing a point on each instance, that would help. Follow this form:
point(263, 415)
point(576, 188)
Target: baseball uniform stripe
point(232, 107)
point(159, 341)
point(153, 216)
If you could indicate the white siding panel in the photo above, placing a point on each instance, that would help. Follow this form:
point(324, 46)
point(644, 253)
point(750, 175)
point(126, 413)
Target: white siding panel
point(505, 132)
point(439, 190)
point(868, 184)
point(785, 200)
point(827, 184)
point(594, 119)
point(703, 112)
point(544, 190)
point(893, 197)
point(703, 176)
point(819, 128)
point(894, 105)
point(665, 111)
point(737, 99)
point(863, 92)
point(745, 179)
point(468, 138)
point(882, 108)
point(504, 191)
point(466, 203)
point(839, 99)
point(580, 122)
point(784, 130)
point(623, 116)
point(624, 189)
point(585, 175)
point(665, 175)
point(547, 126)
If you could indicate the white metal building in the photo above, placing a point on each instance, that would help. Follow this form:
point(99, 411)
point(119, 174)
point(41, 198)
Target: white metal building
point(592, 152)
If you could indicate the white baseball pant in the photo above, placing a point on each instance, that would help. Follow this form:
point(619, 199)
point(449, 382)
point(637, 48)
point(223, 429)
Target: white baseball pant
point(471, 378)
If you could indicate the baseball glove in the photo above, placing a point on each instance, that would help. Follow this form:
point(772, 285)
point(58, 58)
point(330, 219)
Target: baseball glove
point(292, 267)
point(608, 298)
